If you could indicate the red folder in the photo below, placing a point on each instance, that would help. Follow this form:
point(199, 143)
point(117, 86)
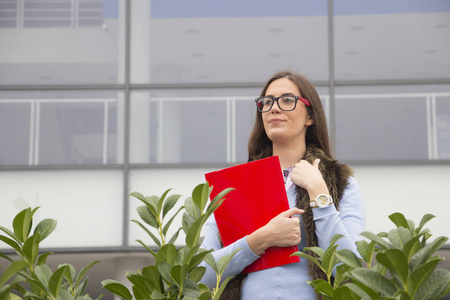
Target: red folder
point(260, 195)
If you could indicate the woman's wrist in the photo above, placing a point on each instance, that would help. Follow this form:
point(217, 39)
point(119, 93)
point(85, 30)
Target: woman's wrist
point(257, 241)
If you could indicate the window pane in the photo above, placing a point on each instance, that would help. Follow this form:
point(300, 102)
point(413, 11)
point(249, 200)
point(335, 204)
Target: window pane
point(14, 133)
point(380, 127)
point(86, 204)
point(61, 42)
point(202, 41)
point(443, 126)
point(70, 127)
point(379, 40)
point(200, 126)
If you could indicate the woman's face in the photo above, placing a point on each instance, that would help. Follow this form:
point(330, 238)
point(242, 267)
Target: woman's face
point(285, 126)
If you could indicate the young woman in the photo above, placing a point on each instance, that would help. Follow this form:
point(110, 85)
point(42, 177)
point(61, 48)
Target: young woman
point(324, 197)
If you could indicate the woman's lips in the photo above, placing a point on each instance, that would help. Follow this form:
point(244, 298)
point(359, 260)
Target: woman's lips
point(275, 121)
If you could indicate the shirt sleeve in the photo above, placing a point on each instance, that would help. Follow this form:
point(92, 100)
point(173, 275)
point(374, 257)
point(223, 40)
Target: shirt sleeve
point(244, 257)
point(348, 221)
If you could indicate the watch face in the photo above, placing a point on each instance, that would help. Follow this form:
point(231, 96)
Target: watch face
point(322, 200)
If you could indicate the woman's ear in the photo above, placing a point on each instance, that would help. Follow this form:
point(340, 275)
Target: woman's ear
point(309, 121)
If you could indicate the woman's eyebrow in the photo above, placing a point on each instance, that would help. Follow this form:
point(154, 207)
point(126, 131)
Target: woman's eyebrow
point(285, 94)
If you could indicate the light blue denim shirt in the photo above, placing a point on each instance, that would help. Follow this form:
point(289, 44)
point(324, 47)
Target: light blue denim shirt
point(289, 281)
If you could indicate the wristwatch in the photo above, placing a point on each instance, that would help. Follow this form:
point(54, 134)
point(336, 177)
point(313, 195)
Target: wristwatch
point(321, 200)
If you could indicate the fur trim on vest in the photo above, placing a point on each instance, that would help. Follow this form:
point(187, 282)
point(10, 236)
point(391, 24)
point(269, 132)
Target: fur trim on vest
point(336, 177)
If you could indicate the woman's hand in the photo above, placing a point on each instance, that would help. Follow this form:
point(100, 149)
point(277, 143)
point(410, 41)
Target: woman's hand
point(309, 177)
point(282, 231)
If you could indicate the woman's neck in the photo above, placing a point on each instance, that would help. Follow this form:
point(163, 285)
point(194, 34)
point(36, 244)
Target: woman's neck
point(290, 154)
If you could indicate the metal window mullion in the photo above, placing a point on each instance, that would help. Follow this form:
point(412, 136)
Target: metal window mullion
point(228, 129)
point(233, 130)
point(105, 131)
point(37, 128)
point(20, 13)
point(32, 132)
point(332, 108)
point(434, 127)
point(160, 132)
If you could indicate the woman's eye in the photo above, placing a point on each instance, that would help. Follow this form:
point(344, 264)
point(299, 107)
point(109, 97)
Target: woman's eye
point(268, 101)
point(287, 100)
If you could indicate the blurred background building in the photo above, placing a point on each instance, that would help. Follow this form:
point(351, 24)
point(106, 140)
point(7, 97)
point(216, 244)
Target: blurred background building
point(99, 98)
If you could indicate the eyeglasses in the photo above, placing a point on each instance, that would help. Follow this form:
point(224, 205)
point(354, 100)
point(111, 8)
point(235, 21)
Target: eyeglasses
point(285, 103)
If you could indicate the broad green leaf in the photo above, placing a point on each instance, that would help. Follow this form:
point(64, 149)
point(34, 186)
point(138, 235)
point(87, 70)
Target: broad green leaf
point(10, 233)
point(423, 254)
point(147, 216)
point(138, 195)
point(434, 286)
point(154, 237)
point(12, 270)
point(377, 239)
point(42, 259)
point(374, 281)
point(336, 238)
point(152, 204)
point(362, 246)
point(420, 275)
point(167, 225)
point(152, 252)
point(56, 280)
point(425, 219)
point(309, 257)
point(179, 273)
point(217, 201)
point(84, 271)
point(223, 262)
point(193, 234)
point(45, 228)
point(399, 220)
point(205, 291)
point(210, 260)
point(190, 290)
point(11, 243)
point(164, 270)
point(399, 237)
point(189, 253)
point(170, 203)
point(161, 201)
point(395, 260)
point(322, 287)
point(186, 222)
point(81, 289)
point(43, 275)
point(22, 224)
point(197, 194)
point(192, 210)
point(198, 258)
point(152, 273)
point(117, 288)
point(167, 254)
point(66, 295)
point(6, 257)
point(341, 274)
point(319, 251)
point(197, 274)
point(329, 260)
point(411, 247)
point(349, 258)
point(221, 288)
point(71, 273)
point(31, 248)
point(139, 293)
point(342, 293)
point(174, 236)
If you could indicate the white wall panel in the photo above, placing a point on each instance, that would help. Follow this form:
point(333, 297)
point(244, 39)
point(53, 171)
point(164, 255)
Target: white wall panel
point(86, 204)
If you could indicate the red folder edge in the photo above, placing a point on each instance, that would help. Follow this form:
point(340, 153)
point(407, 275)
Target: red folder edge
point(261, 181)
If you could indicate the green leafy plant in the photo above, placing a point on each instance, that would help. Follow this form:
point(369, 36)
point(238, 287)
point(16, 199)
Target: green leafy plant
point(176, 272)
point(30, 276)
point(405, 266)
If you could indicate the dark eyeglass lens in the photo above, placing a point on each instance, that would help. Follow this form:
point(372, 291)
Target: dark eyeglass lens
point(287, 103)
